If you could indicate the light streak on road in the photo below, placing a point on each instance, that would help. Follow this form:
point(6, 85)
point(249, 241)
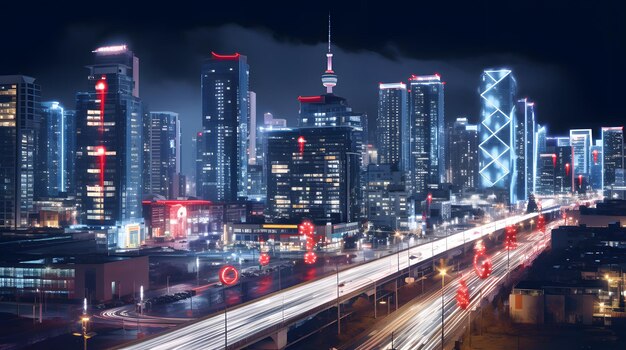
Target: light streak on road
point(419, 327)
point(270, 312)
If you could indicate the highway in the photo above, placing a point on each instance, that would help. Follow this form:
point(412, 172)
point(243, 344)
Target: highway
point(271, 311)
point(418, 324)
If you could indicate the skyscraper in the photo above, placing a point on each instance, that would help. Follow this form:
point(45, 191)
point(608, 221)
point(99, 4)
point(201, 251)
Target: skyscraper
point(612, 153)
point(70, 150)
point(497, 92)
point(251, 127)
point(392, 126)
point(463, 154)
point(56, 140)
point(580, 140)
point(524, 159)
point(427, 139)
point(596, 166)
point(109, 140)
point(313, 172)
point(19, 125)
point(161, 135)
point(225, 127)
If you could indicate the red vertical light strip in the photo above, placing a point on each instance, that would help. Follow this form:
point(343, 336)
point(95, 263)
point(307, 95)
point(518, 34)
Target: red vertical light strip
point(101, 88)
point(580, 181)
point(554, 160)
point(301, 142)
point(595, 157)
point(101, 152)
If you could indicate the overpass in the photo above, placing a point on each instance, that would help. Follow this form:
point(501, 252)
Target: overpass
point(272, 315)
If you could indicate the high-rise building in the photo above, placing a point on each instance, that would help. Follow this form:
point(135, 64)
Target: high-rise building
point(546, 182)
point(201, 164)
point(427, 138)
point(270, 121)
point(612, 153)
point(596, 166)
point(70, 150)
point(55, 139)
point(314, 172)
point(162, 154)
point(109, 141)
point(497, 92)
point(19, 125)
point(463, 154)
point(225, 118)
point(251, 127)
point(392, 126)
point(524, 142)
point(386, 198)
point(580, 140)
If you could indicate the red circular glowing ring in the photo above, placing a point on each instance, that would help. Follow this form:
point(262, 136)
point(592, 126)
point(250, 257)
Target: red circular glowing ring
point(482, 266)
point(264, 259)
point(228, 275)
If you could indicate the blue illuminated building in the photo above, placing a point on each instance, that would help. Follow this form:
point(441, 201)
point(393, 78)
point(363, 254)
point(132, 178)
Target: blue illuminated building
point(497, 92)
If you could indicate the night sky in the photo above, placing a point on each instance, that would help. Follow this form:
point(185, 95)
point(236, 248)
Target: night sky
point(568, 56)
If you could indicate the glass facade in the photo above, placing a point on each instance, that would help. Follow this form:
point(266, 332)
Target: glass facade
point(427, 133)
point(314, 173)
point(495, 132)
point(613, 153)
point(580, 140)
point(463, 154)
point(109, 141)
point(161, 153)
point(56, 143)
point(224, 173)
point(524, 159)
point(392, 126)
point(19, 126)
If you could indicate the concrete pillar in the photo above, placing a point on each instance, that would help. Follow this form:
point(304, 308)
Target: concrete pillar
point(280, 338)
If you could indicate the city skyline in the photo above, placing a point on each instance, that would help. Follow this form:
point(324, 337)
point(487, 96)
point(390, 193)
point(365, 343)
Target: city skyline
point(170, 67)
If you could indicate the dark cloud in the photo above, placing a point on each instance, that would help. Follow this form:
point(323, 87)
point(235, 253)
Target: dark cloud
point(567, 55)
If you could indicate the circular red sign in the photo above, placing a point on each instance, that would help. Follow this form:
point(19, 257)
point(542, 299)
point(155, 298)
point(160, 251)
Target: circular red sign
point(264, 259)
point(228, 275)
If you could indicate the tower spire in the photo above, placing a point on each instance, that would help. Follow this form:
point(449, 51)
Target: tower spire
point(329, 32)
point(329, 78)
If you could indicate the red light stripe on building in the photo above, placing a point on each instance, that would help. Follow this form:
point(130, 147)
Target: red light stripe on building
point(311, 99)
point(233, 57)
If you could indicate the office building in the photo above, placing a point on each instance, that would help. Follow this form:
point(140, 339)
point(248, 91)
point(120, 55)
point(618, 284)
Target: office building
point(162, 154)
point(612, 153)
point(225, 128)
point(596, 166)
point(252, 127)
point(314, 173)
point(497, 92)
point(427, 138)
point(386, 198)
point(546, 168)
point(19, 125)
point(463, 154)
point(57, 139)
point(524, 148)
point(109, 155)
point(269, 121)
point(392, 126)
point(580, 140)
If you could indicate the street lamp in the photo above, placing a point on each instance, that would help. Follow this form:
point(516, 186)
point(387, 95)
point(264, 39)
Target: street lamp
point(197, 270)
point(442, 273)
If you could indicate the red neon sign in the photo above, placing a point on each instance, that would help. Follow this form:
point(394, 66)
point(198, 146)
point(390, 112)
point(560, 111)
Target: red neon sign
point(595, 156)
point(567, 169)
point(307, 229)
point(264, 259)
point(580, 181)
point(226, 57)
point(482, 262)
point(311, 99)
point(228, 275)
point(462, 295)
point(554, 160)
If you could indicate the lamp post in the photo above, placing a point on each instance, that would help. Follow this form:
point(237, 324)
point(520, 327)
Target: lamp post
point(442, 273)
point(197, 270)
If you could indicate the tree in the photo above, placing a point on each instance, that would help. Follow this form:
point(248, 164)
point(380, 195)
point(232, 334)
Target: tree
point(532, 204)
